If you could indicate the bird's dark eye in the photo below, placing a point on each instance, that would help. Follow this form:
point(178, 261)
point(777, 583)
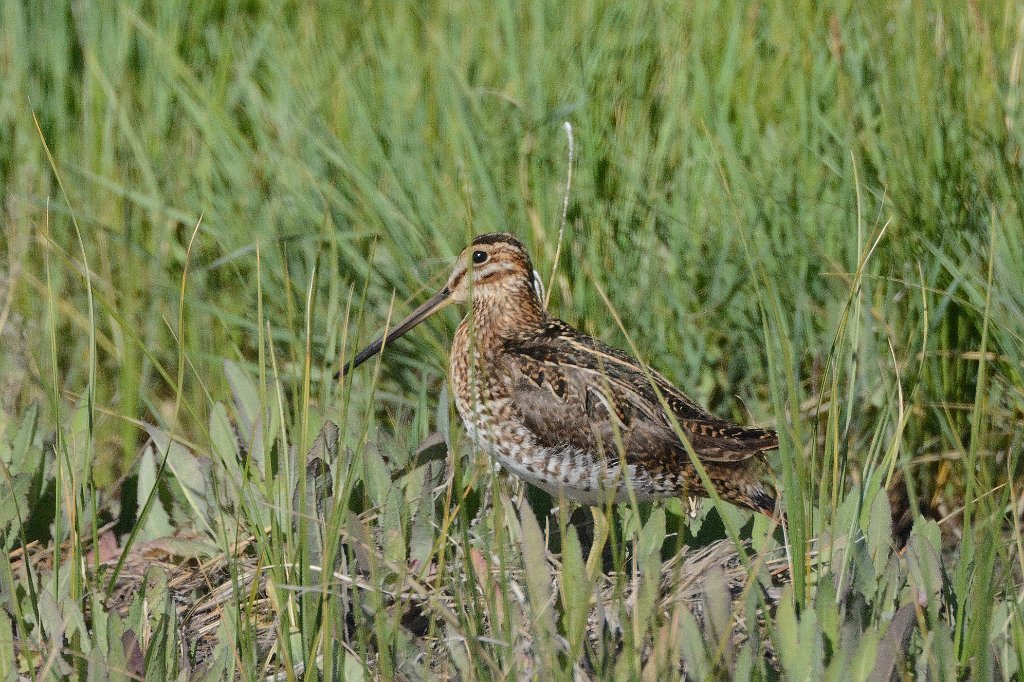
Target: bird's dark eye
point(479, 257)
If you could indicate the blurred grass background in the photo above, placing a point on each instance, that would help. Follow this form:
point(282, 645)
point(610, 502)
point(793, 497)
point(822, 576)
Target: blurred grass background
point(805, 214)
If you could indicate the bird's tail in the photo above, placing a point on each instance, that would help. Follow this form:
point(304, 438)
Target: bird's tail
point(765, 499)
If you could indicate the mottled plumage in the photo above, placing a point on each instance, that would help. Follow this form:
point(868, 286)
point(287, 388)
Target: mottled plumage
point(569, 413)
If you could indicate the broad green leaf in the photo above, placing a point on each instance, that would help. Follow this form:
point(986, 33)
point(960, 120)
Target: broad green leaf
point(648, 549)
point(421, 534)
point(828, 611)
point(257, 425)
point(889, 649)
point(191, 474)
point(121, 647)
point(743, 669)
point(794, 653)
point(441, 417)
point(246, 397)
point(224, 448)
point(51, 625)
point(96, 669)
point(691, 644)
point(925, 566)
point(17, 455)
point(376, 475)
point(14, 508)
point(811, 663)
point(354, 670)
point(575, 584)
point(863, 567)
point(538, 583)
point(717, 613)
point(394, 519)
point(224, 657)
point(157, 523)
point(652, 536)
point(7, 653)
point(878, 530)
point(78, 440)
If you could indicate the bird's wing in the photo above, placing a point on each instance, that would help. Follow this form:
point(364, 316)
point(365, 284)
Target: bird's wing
point(572, 390)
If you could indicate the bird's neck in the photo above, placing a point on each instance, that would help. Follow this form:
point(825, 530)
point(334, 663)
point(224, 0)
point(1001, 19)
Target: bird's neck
point(502, 317)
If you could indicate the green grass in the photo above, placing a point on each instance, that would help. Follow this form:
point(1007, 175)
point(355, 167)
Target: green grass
point(808, 216)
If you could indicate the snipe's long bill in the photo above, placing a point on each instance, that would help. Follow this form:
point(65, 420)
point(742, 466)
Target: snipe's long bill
point(568, 413)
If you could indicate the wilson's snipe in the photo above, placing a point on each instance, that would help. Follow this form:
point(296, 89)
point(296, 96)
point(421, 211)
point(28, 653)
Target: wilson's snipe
point(568, 413)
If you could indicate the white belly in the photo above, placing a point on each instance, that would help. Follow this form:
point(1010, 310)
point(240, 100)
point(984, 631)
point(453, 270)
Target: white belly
point(578, 475)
